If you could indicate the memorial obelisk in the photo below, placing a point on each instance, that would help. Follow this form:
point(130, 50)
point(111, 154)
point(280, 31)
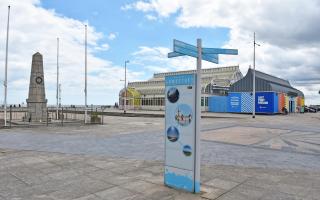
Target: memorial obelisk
point(37, 102)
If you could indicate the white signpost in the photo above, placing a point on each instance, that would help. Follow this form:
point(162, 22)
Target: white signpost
point(183, 114)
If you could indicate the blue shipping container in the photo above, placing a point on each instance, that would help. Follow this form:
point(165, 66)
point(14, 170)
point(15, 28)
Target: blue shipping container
point(234, 102)
point(276, 103)
point(265, 102)
point(218, 103)
point(246, 102)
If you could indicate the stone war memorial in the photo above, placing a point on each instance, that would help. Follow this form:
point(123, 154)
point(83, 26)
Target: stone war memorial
point(37, 102)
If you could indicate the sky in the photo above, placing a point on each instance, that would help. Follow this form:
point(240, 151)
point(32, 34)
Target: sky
point(142, 32)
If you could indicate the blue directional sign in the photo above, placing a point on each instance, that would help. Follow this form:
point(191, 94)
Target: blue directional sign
point(209, 54)
point(219, 51)
point(182, 48)
point(177, 43)
point(174, 54)
point(210, 58)
point(184, 51)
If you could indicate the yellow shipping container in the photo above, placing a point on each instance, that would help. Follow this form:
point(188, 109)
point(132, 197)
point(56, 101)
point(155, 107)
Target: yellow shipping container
point(287, 102)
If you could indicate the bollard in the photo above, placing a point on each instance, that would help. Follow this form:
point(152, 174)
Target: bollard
point(10, 115)
point(62, 116)
point(47, 116)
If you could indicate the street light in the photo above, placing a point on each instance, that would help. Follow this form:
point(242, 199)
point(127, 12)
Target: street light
point(254, 75)
point(58, 84)
point(6, 72)
point(125, 86)
point(85, 77)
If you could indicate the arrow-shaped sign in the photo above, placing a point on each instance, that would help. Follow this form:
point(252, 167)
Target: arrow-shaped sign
point(209, 54)
point(182, 48)
point(177, 43)
point(208, 57)
point(219, 51)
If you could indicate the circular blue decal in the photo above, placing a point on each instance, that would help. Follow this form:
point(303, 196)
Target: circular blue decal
point(183, 115)
point(173, 95)
point(187, 150)
point(172, 134)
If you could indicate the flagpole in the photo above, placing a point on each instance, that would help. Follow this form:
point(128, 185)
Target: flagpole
point(57, 96)
point(85, 87)
point(6, 71)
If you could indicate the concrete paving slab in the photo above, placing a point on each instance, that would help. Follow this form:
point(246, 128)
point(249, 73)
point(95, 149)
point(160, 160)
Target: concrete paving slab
point(221, 183)
point(212, 193)
point(89, 197)
point(139, 186)
point(242, 135)
point(96, 185)
point(116, 193)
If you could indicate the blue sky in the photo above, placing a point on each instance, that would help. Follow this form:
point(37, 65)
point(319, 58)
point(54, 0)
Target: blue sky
point(142, 31)
point(132, 29)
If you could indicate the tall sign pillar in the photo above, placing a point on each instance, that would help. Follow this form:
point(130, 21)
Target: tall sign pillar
point(183, 116)
point(37, 102)
point(180, 152)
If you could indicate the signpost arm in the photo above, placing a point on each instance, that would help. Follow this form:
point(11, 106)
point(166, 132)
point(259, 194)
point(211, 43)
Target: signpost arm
point(198, 119)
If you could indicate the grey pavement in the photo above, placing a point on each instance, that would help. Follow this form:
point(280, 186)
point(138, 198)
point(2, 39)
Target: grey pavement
point(147, 146)
point(271, 157)
point(143, 139)
point(37, 175)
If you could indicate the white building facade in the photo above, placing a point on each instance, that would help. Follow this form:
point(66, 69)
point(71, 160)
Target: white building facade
point(150, 94)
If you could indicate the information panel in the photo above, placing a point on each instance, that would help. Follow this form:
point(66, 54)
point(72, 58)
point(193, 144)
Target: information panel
point(180, 132)
point(234, 102)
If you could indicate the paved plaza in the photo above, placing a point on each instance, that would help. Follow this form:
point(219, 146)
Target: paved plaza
point(270, 157)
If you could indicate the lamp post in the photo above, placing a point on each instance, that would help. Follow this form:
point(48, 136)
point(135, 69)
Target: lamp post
point(254, 76)
point(57, 95)
point(6, 72)
point(125, 87)
point(85, 78)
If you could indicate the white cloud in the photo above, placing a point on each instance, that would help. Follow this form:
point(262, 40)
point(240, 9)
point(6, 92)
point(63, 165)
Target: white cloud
point(35, 29)
point(287, 30)
point(103, 47)
point(151, 17)
point(163, 8)
point(112, 36)
point(126, 7)
point(155, 60)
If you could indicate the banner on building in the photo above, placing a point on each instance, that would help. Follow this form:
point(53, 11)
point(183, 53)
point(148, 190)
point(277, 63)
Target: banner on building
point(234, 102)
point(265, 102)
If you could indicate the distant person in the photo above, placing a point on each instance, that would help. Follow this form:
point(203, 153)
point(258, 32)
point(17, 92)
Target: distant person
point(284, 110)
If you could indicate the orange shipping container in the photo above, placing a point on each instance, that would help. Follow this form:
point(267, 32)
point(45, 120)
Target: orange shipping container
point(298, 101)
point(281, 101)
